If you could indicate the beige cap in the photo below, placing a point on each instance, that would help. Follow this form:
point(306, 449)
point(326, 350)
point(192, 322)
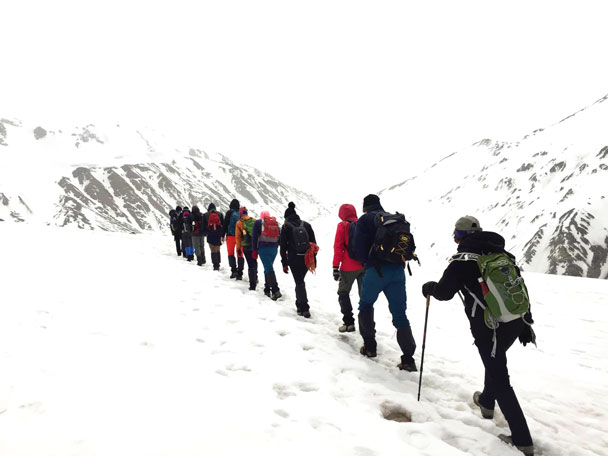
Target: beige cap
point(468, 223)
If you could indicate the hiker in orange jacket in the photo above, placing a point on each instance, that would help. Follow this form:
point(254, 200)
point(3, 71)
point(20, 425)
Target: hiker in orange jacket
point(244, 236)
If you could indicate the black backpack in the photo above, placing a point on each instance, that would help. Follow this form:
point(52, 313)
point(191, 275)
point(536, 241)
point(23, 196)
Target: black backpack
point(350, 247)
point(393, 242)
point(301, 241)
point(174, 222)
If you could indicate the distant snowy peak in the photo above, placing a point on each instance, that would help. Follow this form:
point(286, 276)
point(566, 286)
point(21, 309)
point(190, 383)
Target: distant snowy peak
point(124, 180)
point(545, 193)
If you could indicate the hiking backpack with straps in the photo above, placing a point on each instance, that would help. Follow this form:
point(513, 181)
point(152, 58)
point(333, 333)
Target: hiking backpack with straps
point(174, 223)
point(214, 221)
point(349, 245)
point(247, 231)
point(393, 241)
point(197, 227)
point(234, 218)
point(187, 226)
point(270, 230)
point(301, 240)
point(503, 288)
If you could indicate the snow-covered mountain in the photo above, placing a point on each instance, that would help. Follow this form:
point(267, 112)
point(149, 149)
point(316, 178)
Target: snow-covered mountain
point(546, 194)
point(122, 179)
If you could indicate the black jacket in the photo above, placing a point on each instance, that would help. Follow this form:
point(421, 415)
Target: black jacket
point(286, 242)
point(213, 237)
point(460, 274)
point(198, 229)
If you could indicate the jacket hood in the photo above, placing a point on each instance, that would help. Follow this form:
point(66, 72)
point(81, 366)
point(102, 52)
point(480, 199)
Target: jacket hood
point(196, 210)
point(234, 204)
point(348, 212)
point(375, 207)
point(172, 212)
point(211, 207)
point(482, 242)
point(293, 219)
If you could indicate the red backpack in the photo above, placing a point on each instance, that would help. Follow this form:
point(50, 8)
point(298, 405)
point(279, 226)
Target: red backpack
point(214, 221)
point(270, 230)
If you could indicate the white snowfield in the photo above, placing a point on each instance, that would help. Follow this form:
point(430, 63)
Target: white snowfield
point(112, 345)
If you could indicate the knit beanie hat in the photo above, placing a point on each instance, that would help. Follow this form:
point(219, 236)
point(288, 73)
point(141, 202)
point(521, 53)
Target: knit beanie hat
point(211, 207)
point(291, 209)
point(234, 204)
point(369, 201)
point(242, 211)
point(264, 214)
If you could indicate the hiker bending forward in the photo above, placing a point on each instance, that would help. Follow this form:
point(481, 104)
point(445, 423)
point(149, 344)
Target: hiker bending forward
point(462, 275)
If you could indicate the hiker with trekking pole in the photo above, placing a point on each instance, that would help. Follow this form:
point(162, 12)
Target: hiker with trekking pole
point(497, 305)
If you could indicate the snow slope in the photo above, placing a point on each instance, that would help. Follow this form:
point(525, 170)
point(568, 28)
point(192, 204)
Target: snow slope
point(546, 193)
point(112, 345)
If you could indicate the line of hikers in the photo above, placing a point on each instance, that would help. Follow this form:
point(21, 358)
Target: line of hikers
point(374, 250)
point(247, 239)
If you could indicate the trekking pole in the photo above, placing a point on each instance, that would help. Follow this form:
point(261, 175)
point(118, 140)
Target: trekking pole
point(426, 319)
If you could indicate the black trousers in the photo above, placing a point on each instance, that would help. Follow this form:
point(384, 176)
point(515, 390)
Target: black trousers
point(178, 243)
point(497, 387)
point(298, 271)
point(252, 267)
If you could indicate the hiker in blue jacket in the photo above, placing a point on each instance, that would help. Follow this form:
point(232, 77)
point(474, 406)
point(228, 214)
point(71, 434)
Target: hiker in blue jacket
point(381, 277)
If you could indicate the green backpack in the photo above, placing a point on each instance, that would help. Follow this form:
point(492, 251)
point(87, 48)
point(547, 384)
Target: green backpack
point(247, 231)
point(504, 291)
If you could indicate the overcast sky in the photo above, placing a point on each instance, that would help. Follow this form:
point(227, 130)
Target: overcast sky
point(331, 96)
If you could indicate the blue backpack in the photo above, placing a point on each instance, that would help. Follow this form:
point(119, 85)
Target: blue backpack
point(234, 217)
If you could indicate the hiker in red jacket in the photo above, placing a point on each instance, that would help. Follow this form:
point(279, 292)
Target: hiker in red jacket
point(346, 269)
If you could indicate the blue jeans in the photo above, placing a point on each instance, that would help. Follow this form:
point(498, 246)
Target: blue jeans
point(267, 256)
point(392, 283)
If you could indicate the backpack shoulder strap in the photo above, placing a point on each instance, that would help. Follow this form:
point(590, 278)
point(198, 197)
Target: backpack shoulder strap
point(465, 256)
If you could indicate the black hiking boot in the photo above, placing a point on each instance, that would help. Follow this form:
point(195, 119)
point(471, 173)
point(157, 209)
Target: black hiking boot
point(528, 450)
point(267, 286)
point(276, 295)
point(366, 352)
point(304, 313)
point(239, 268)
point(232, 264)
point(411, 367)
point(487, 413)
point(367, 329)
point(406, 342)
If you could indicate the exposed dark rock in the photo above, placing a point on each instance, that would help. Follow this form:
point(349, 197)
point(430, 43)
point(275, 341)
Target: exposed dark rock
point(525, 167)
point(39, 133)
point(558, 167)
point(3, 135)
point(603, 153)
point(598, 261)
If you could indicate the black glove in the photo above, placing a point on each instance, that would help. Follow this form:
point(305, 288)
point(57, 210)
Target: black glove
point(427, 288)
point(336, 273)
point(527, 334)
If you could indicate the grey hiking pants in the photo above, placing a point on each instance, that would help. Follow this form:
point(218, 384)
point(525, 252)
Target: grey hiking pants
point(347, 280)
point(199, 247)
